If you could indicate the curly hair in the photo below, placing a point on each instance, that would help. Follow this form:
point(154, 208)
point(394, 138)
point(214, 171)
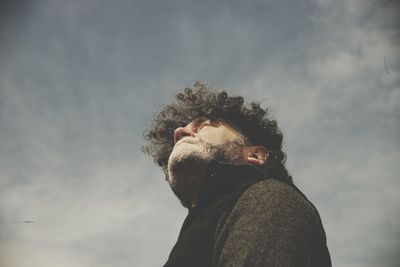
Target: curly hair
point(201, 100)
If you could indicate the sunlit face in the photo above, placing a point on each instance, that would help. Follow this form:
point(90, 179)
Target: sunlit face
point(195, 144)
point(208, 130)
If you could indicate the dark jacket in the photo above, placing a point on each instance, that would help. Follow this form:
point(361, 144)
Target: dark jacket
point(247, 217)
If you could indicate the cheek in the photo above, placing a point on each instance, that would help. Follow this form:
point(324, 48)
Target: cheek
point(218, 136)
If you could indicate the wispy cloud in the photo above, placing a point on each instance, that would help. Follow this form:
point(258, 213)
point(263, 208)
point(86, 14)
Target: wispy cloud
point(79, 82)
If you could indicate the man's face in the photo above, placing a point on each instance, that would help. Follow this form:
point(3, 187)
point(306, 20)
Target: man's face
point(208, 130)
point(195, 144)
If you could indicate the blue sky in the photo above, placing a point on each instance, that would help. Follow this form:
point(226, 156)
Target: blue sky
point(81, 80)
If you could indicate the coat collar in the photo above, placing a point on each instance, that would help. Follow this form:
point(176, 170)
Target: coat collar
point(225, 178)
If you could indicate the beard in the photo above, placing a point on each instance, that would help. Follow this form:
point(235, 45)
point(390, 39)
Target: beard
point(190, 157)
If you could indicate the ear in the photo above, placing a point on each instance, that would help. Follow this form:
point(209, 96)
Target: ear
point(256, 155)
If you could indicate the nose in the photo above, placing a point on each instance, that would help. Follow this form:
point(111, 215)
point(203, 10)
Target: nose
point(181, 132)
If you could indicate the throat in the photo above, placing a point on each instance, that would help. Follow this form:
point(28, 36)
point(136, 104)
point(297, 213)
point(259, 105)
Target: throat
point(187, 181)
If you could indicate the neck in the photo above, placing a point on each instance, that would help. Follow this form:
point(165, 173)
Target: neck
point(196, 180)
point(190, 182)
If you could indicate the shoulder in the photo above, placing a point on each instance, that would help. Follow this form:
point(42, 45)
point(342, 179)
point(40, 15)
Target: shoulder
point(273, 209)
point(272, 195)
point(274, 205)
point(271, 221)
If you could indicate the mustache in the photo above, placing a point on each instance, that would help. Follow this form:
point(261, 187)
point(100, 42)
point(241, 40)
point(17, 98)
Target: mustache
point(189, 140)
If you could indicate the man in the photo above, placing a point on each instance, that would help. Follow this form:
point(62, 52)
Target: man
point(224, 161)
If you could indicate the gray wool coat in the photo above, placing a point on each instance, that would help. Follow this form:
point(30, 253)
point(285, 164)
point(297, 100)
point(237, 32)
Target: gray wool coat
point(247, 217)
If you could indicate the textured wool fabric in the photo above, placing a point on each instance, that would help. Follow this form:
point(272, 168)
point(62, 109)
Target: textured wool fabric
point(246, 216)
point(272, 224)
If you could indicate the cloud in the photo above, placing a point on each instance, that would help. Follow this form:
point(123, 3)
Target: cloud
point(36, 255)
point(79, 82)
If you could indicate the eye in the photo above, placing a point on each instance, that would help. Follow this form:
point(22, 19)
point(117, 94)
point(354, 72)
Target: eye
point(207, 122)
point(203, 124)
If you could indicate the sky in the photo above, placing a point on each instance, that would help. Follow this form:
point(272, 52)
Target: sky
point(81, 80)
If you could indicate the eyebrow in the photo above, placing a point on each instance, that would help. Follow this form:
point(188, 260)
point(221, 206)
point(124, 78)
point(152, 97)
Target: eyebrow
point(200, 119)
point(196, 122)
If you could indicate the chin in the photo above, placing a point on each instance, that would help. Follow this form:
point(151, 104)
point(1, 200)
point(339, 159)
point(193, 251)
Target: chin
point(186, 159)
point(183, 157)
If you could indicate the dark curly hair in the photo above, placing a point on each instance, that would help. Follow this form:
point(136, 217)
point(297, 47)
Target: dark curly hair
point(201, 100)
